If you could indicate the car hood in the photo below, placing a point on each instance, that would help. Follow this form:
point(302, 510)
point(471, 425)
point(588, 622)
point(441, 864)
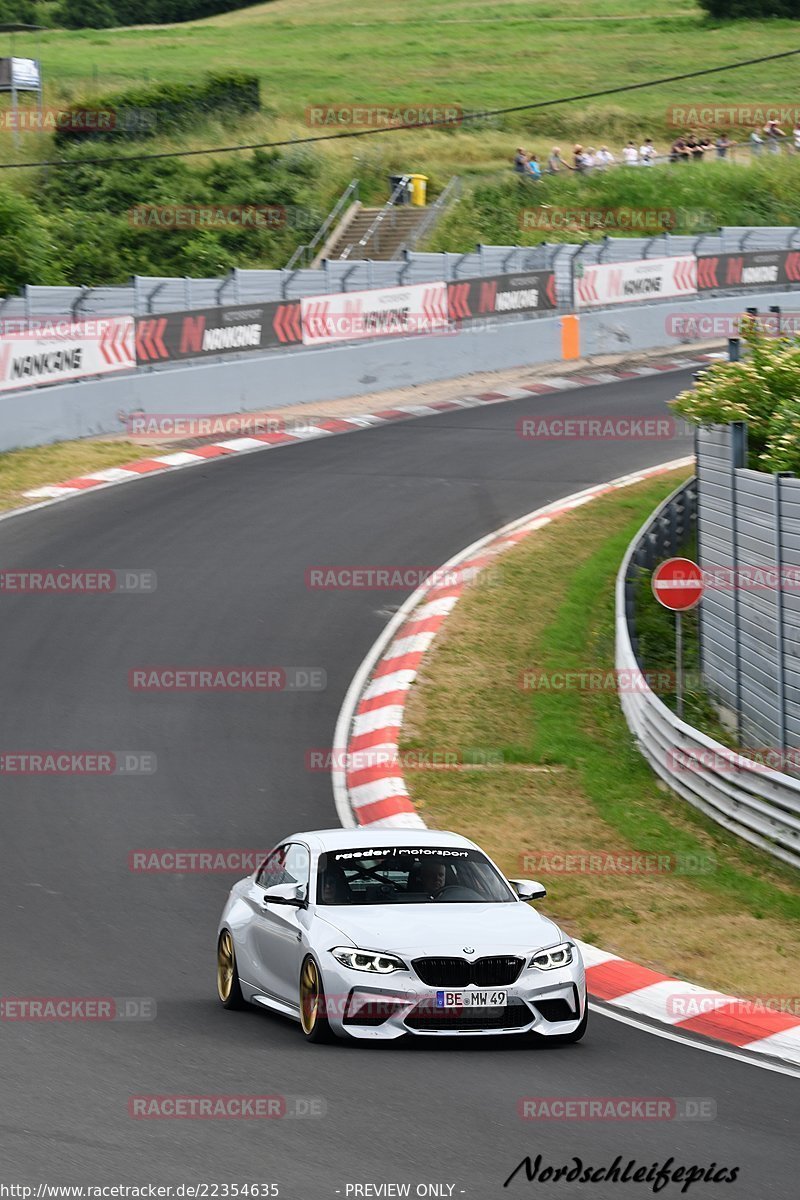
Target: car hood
point(443, 928)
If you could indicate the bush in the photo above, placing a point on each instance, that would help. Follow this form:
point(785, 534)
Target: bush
point(761, 390)
point(86, 14)
point(755, 9)
point(165, 106)
point(17, 12)
point(28, 245)
point(100, 14)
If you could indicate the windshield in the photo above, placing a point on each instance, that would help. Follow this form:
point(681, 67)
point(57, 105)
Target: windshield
point(410, 875)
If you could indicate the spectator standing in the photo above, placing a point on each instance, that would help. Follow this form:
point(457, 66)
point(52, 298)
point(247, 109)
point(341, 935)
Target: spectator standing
point(555, 162)
point(679, 151)
point(647, 152)
point(589, 160)
point(604, 158)
point(756, 143)
point(772, 135)
point(521, 161)
point(533, 167)
point(723, 145)
point(796, 136)
point(578, 159)
point(630, 155)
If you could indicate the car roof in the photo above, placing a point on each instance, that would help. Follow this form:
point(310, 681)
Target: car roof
point(337, 839)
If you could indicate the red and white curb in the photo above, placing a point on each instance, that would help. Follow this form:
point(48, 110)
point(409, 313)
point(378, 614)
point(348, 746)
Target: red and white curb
point(369, 788)
point(305, 431)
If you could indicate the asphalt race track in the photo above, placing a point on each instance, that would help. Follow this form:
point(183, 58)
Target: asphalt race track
point(230, 544)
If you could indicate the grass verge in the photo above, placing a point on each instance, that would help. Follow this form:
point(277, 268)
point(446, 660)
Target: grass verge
point(570, 779)
point(21, 470)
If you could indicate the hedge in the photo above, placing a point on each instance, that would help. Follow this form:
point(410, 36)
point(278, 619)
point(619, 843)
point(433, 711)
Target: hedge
point(103, 14)
point(160, 107)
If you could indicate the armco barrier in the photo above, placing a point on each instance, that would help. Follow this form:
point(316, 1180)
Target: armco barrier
point(760, 805)
point(298, 375)
point(598, 276)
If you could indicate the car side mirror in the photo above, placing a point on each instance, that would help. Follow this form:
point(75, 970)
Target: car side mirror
point(528, 889)
point(286, 893)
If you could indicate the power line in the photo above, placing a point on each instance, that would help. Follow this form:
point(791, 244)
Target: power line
point(357, 133)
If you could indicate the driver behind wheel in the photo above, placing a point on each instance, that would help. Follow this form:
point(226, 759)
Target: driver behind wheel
point(432, 877)
point(334, 888)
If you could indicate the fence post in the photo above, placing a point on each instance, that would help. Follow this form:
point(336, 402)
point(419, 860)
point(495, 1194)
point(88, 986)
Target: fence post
point(779, 609)
point(738, 459)
point(775, 311)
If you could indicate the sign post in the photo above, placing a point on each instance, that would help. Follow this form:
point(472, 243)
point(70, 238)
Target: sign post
point(678, 585)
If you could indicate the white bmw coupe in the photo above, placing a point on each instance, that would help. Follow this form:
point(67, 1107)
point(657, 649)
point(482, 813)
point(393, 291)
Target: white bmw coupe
point(380, 933)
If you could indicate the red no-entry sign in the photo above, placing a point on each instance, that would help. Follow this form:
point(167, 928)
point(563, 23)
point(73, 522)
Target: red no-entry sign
point(678, 584)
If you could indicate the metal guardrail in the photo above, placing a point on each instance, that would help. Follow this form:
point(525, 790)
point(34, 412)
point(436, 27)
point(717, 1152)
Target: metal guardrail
point(304, 255)
point(150, 295)
point(758, 804)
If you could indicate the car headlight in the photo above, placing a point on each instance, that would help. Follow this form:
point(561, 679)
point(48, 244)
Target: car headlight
point(554, 956)
point(368, 960)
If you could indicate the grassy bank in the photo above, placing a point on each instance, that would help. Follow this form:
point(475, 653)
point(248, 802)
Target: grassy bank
point(22, 470)
point(571, 780)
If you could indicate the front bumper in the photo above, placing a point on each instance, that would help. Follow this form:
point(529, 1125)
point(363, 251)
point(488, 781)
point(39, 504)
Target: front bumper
point(550, 1003)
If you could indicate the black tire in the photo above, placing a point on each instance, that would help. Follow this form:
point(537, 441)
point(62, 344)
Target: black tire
point(313, 1021)
point(229, 990)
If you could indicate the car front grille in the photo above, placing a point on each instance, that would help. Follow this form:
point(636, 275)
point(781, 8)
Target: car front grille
point(515, 1015)
point(459, 972)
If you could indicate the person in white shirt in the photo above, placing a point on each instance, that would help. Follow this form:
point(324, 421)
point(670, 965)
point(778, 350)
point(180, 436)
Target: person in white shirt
point(630, 154)
point(604, 158)
point(647, 152)
point(796, 136)
point(589, 159)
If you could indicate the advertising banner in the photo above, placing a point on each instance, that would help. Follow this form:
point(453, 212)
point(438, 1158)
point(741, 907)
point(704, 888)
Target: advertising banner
point(631, 282)
point(756, 268)
point(383, 312)
point(52, 350)
point(525, 291)
point(203, 332)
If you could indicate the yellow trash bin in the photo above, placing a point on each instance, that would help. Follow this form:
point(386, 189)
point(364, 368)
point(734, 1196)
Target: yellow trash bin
point(419, 189)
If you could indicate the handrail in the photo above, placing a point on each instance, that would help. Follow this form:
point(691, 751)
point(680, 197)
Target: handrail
point(758, 804)
point(449, 193)
point(384, 212)
point(306, 252)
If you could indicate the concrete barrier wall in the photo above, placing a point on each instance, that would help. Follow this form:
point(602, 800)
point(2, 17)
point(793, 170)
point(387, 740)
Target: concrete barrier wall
point(300, 376)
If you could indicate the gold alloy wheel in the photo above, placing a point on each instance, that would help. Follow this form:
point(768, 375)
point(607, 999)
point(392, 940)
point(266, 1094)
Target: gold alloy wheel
point(309, 996)
point(225, 966)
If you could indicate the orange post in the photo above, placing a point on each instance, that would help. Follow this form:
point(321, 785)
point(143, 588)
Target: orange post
point(570, 338)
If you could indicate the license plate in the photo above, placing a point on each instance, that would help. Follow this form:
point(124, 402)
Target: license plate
point(487, 999)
